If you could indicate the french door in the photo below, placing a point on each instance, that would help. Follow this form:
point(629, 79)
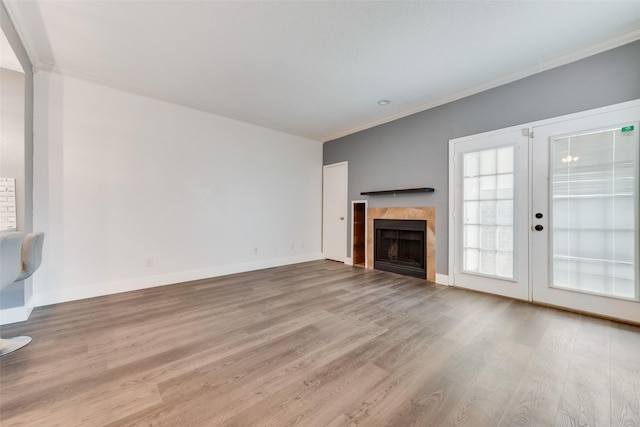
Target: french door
point(584, 239)
point(490, 213)
point(571, 239)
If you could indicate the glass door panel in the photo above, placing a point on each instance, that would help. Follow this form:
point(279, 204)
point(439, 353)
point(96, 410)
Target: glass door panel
point(584, 238)
point(487, 228)
point(593, 206)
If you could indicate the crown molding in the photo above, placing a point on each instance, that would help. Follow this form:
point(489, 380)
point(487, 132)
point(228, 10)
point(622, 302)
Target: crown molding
point(22, 29)
point(510, 78)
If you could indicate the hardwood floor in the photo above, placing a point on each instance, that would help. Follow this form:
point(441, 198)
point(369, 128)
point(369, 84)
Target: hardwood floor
point(318, 344)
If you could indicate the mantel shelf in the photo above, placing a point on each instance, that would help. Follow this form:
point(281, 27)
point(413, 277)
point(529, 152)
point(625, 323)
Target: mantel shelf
point(403, 190)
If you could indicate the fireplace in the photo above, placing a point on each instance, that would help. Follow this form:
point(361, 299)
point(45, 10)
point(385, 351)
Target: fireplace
point(399, 246)
point(422, 213)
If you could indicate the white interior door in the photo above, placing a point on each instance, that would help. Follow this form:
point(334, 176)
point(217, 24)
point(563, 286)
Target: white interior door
point(585, 214)
point(489, 213)
point(334, 211)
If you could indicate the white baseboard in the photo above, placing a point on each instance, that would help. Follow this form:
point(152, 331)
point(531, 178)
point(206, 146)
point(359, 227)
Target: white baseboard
point(55, 296)
point(348, 261)
point(16, 314)
point(442, 279)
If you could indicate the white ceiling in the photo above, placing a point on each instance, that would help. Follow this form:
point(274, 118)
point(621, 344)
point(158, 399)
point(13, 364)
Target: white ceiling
point(315, 68)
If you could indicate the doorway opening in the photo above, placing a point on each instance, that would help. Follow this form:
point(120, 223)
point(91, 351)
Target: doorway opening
point(359, 236)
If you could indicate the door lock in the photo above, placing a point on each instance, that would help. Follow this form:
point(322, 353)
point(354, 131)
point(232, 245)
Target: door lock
point(539, 227)
point(538, 215)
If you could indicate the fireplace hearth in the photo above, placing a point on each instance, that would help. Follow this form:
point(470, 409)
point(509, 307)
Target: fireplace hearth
point(399, 246)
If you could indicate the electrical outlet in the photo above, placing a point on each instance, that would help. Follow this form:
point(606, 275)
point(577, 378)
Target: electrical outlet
point(148, 262)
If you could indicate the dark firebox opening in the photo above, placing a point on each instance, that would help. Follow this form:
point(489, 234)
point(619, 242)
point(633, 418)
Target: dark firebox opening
point(399, 246)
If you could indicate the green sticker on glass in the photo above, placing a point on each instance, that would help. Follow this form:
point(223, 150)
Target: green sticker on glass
point(627, 129)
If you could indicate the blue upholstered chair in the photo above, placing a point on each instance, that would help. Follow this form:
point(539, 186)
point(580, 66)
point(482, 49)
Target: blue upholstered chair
point(20, 257)
point(31, 254)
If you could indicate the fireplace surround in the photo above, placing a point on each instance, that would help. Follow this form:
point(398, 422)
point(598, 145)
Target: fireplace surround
point(427, 214)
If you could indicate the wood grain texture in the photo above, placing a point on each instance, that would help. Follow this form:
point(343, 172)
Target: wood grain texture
point(359, 244)
point(318, 344)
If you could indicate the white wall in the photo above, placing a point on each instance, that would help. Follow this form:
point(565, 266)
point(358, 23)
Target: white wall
point(12, 134)
point(119, 178)
point(12, 165)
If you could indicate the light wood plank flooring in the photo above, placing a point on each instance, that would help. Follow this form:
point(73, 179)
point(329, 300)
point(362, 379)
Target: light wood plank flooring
point(318, 344)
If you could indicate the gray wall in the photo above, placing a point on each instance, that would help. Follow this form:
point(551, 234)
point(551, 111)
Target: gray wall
point(13, 296)
point(413, 151)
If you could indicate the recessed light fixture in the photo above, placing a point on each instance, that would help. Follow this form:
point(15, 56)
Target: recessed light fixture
point(384, 102)
point(569, 159)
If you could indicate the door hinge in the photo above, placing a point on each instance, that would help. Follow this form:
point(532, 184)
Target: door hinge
point(527, 132)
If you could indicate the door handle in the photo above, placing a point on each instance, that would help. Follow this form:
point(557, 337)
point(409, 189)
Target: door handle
point(538, 227)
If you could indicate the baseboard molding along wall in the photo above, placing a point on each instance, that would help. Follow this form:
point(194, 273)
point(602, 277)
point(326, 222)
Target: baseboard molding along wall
point(442, 279)
point(55, 296)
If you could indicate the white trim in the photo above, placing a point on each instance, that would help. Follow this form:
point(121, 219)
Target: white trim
point(346, 163)
point(500, 81)
point(530, 201)
point(17, 314)
point(55, 296)
point(452, 222)
point(348, 261)
point(442, 279)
